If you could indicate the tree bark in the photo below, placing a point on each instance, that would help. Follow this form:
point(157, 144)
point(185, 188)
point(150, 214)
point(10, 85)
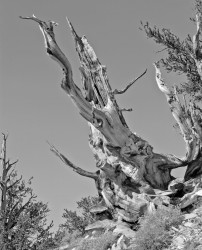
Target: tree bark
point(130, 174)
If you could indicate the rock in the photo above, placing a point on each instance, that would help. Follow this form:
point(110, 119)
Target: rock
point(179, 242)
point(199, 193)
point(186, 201)
point(189, 216)
point(103, 224)
point(189, 224)
point(127, 216)
point(124, 229)
point(101, 212)
point(98, 209)
point(194, 197)
point(120, 245)
point(190, 198)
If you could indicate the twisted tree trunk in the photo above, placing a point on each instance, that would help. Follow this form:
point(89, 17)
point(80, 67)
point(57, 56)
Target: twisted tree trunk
point(130, 174)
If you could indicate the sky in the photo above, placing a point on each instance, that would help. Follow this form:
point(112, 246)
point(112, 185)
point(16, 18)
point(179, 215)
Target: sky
point(34, 109)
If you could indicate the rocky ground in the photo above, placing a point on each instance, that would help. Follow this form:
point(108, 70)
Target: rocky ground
point(121, 235)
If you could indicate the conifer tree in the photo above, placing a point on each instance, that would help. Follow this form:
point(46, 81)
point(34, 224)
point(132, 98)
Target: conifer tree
point(23, 219)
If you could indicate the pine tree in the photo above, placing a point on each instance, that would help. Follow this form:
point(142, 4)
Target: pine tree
point(23, 219)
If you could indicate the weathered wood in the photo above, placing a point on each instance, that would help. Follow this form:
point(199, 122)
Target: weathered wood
point(130, 174)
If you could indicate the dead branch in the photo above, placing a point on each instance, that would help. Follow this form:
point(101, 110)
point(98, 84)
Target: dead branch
point(10, 165)
point(73, 166)
point(116, 91)
point(3, 151)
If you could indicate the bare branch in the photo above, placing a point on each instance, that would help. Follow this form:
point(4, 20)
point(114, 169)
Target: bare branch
point(71, 165)
point(182, 119)
point(159, 51)
point(116, 92)
point(52, 48)
point(174, 103)
point(4, 175)
point(5, 163)
point(10, 165)
point(3, 151)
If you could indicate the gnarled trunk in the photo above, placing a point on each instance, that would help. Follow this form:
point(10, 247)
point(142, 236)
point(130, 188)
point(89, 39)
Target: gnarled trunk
point(130, 174)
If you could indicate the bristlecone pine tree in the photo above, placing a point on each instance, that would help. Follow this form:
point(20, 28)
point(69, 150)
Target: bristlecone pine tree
point(129, 173)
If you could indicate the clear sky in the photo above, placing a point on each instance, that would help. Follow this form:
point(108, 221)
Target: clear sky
point(34, 109)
